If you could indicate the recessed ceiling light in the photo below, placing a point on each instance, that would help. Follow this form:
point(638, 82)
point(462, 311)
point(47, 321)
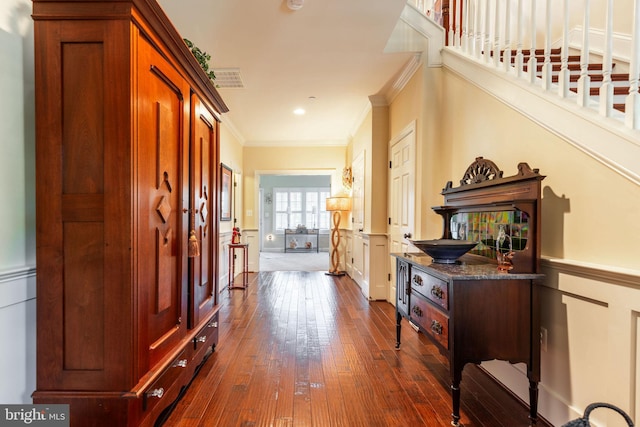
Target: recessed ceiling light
point(299, 111)
point(295, 4)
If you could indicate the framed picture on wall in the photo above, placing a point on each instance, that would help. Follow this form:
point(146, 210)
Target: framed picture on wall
point(225, 192)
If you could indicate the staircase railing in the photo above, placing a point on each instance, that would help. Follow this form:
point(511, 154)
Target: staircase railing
point(540, 41)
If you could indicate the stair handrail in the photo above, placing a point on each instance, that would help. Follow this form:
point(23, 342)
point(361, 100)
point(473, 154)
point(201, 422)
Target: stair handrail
point(482, 28)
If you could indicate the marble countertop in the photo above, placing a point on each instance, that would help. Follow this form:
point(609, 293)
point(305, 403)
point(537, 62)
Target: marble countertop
point(468, 267)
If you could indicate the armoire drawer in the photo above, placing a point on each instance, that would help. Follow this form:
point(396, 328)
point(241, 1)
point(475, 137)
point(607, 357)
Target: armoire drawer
point(430, 319)
point(163, 390)
point(207, 336)
point(431, 287)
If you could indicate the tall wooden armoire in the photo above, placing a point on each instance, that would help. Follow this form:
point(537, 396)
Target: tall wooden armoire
point(127, 158)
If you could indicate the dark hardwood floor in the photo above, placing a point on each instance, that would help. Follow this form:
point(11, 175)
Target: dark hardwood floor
point(307, 349)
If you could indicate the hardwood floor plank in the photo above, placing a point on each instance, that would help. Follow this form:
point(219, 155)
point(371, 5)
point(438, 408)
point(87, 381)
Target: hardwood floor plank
point(307, 349)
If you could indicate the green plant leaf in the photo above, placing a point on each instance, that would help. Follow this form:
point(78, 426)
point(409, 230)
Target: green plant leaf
point(202, 57)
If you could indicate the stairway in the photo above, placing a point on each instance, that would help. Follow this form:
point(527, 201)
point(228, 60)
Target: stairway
point(620, 81)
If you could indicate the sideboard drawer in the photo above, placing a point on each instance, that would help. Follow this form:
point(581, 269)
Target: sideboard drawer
point(431, 287)
point(430, 319)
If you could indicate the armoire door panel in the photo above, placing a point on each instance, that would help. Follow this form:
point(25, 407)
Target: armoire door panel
point(84, 296)
point(82, 206)
point(164, 285)
point(73, 246)
point(83, 119)
point(203, 169)
point(160, 180)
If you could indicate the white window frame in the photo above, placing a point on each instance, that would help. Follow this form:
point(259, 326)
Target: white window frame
point(304, 210)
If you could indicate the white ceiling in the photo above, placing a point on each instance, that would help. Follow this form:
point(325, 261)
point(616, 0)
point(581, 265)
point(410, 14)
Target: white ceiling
point(332, 50)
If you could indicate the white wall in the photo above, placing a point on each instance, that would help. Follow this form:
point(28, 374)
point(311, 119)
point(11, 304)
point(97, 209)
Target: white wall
point(17, 210)
point(17, 335)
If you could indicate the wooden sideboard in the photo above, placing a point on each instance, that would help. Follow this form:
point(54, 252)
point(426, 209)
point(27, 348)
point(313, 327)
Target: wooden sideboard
point(470, 309)
point(127, 153)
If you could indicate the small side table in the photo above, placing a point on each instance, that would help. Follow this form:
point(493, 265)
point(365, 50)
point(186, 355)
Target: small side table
point(232, 265)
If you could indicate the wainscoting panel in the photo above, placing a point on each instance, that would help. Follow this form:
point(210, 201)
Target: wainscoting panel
point(592, 352)
point(18, 353)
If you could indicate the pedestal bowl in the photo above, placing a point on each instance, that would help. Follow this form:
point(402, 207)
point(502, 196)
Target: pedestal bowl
point(444, 251)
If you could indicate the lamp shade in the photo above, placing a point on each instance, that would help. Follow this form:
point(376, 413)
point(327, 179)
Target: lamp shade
point(338, 203)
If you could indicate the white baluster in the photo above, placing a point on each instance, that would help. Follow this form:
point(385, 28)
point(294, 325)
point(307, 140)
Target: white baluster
point(532, 64)
point(520, 34)
point(451, 19)
point(632, 104)
point(457, 31)
point(477, 41)
point(487, 31)
point(506, 57)
point(547, 67)
point(606, 90)
point(563, 76)
point(470, 28)
point(464, 42)
point(496, 38)
point(584, 82)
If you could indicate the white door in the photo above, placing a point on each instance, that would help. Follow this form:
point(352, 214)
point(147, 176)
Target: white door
point(401, 197)
point(357, 192)
point(357, 215)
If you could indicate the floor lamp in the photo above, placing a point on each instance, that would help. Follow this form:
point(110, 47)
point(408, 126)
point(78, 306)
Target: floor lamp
point(336, 205)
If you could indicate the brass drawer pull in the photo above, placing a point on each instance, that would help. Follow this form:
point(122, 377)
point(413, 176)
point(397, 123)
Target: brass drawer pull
point(201, 339)
point(212, 325)
point(158, 392)
point(180, 363)
point(417, 280)
point(437, 292)
point(417, 311)
point(436, 327)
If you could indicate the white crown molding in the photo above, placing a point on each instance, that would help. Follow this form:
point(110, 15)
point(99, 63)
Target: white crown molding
point(397, 84)
point(360, 119)
point(378, 100)
point(232, 129)
point(293, 143)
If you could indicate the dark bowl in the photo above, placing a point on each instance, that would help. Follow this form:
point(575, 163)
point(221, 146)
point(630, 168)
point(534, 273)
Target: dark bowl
point(444, 251)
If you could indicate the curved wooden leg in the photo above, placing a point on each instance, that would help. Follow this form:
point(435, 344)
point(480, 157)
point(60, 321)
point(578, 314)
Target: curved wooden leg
point(398, 329)
point(455, 396)
point(533, 402)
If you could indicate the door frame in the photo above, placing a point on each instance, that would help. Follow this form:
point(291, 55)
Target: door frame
point(408, 132)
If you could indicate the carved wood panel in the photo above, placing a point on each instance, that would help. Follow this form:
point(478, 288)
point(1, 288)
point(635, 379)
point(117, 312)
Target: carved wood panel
point(203, 176)
point(160, 174)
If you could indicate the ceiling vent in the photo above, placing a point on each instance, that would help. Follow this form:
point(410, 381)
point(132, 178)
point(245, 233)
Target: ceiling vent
point(228, 78)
